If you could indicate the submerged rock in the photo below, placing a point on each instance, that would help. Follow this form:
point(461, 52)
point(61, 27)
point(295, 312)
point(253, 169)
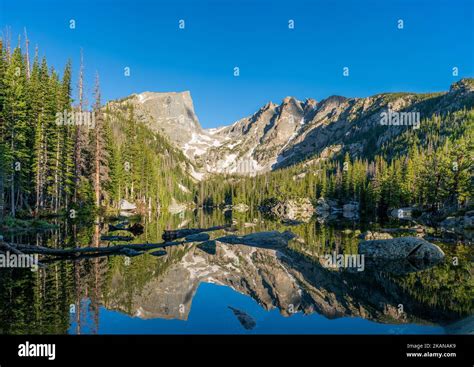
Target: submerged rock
point(273, 239)
point(231, 229)
point(170, 235)
point(401, 248)
point(245, 319)
point(208, 247)
point(158, 253)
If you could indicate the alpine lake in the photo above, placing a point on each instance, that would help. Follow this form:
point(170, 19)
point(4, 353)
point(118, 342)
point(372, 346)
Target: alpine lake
point(221, 288)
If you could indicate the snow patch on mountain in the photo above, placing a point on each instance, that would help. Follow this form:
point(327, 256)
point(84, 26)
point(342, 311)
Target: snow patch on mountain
point(199, 144)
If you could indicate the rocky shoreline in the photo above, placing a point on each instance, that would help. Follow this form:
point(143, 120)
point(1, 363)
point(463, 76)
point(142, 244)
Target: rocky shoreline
point(452, 226)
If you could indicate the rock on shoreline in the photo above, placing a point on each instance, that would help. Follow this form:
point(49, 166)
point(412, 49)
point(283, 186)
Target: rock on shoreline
point(401, 248)
point(294, 209)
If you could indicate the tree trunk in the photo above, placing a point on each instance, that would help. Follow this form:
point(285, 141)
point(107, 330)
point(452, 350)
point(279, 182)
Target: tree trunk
point(97, 169)
point(2, 198)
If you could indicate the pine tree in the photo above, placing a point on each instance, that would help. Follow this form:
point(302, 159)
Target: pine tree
point(66, 176)
point(80, 137)
point(99, 153)
point(16, 128)
point(3, 149)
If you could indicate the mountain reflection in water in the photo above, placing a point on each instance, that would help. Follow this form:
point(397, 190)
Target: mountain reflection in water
point(237, 289)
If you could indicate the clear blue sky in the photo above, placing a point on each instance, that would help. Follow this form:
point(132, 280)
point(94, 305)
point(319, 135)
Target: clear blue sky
point(274, 61)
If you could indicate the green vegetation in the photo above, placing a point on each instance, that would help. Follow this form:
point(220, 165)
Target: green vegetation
point(57, 156)
point(139, 159)
point(430, 167)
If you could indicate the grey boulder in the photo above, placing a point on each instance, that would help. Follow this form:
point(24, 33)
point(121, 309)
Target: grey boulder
point(401, 248)
point(272, 239)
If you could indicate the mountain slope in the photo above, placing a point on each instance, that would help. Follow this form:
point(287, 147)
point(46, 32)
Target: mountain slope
point(282, 135)
point(138, 158)
point(354, 124)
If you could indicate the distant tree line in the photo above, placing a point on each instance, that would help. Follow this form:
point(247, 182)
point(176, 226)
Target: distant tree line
point(430, 167)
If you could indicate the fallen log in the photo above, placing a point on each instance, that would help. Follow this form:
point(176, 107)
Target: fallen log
point(104, 251)
point(89, 250)
point(181, 233)
point(116, 238)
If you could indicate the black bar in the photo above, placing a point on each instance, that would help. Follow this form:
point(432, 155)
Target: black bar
point(288, 347)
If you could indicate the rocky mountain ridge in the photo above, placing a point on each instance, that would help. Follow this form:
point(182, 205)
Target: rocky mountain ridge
point(280, 135)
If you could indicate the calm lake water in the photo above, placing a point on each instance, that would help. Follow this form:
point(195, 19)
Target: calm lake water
point(235, 289)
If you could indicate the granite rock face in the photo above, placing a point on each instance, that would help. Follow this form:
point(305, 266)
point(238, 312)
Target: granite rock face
point(281, 135)
point(401, 248)
point(169, 113)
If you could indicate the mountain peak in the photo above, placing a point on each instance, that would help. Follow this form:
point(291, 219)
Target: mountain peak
point(171, 113)
point(278, 135)
point(149, 96)
point(269, 105)
point(334, 99)
point(289, 99)
point(465, 84)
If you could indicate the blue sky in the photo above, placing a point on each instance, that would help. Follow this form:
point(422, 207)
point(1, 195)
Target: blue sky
point(274, 61)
